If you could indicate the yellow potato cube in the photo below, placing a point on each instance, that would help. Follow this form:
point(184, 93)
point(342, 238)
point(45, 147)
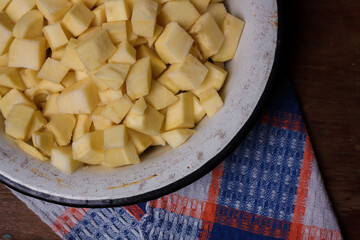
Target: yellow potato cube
point(177, 137)
point(151, 40)
point(182, 12)
point(55, 36)
point(4, 90)
point(117, 157)
point(220, 65)
point(99, 16)
point(117, 110)
point(69, 79)
point(165, 80)
point(89, 3)
point(53, 70)
point(181, 113)
point(188, 74)
point(12, 98)
point(80, 75)
point(99, 121)
point(140, 140)
point(45, 86)
point(97, 81)
point(201, 5)
point(199, 111)
point(30, 150)
point(78, 19)
point(6, 28)
point(125, 54)
point(27, 53)
point(149, 122)
point(173, 44)
point(91, 31)
point(53, 10)
point(140, 106)
point(158, 141)
point(232, 28)
point(159, 96)
point(95, 50)
point(58, 53)
point(214, 79)
point(44, 141)
point(29, 78)
point(211, 101)
point(218, 11)
point(207, 34)
point(62, 126)
point(50, 108)
point(80, 98)
point(89, 148)
point(116, 30)
point(37, 123)
point(139, 79)
point(29, 25)
point(62, 159)
point(9, 77)
point(115, 137)
point(109, 95)
point(3, 4)
point(157, 65)
point(116, 10)
point(17, 8)
point(143, 17)
point(82, 126)
point(70, 58)
point(113, 74)
point(132, 37)
point(4, 59)
point(18, 122)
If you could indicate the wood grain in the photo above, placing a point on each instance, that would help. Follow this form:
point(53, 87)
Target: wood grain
point(324, 58)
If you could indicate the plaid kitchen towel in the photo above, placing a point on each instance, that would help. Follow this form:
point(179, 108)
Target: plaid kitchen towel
point(269, 188)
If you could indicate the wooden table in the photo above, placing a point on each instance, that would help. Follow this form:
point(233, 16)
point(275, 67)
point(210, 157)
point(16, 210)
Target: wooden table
point(325, 68)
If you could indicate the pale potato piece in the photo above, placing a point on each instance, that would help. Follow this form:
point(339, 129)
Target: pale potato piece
point(53, 70)
point(157, 65)
point(99, 121)
point(30, 150)
point(115, 137)
point(89, 3)
point(62, 126)
point(82, 126)
point(30, 25)
point(6, 28)
point(29, 78)
point(143, 17)
point(201, 5)
point(89, 148)
point(17, 8)
point(55, 36)
point(211, 101)
point(70, 58)
point(177, 137)
point(50, 108)
point(78, 19)
point(62, 159)
point(44, 141)
point(218, 11)
point(151, 40)
point(116, 30)
point(109, 95)
point(99, 16)
point(9, 77)
point(117, 110)
point(53, 10)
point(165, 80)
point(140, 106)
point(18, 122)
point(116, 157)
point(159, 96)
point(140, 140)
point(11, 98)
point(3, 4)
point(113, 74)
point(181, 113)
point(4, 60)
point(199, 111)
point(38, 122)
point(139, 79)
point(125, 54)
point(117, 10)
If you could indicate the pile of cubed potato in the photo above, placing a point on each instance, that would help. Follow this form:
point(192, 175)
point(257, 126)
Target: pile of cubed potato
point(98, 82)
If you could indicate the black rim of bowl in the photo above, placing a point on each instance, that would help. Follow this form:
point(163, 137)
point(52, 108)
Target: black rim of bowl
point(202, 171)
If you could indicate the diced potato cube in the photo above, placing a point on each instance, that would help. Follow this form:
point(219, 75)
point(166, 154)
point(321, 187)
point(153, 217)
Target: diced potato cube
point(173, 44)
point(149, 122)
point(29, 25)
point(115, 137)
point(181, 113)
point(4, 60)
point(89, 3)
point(159, 96)
point(157, 65)
point(140, 140)
point(97, 81)
point(82, 126)
point(113, 74)
point(50, 108)
point(158, 141)
point(140, 106)
point(37, 123)
point(6, 28)
point(109, 95)
point(177, 137)
point(30, 150)
point(196, 52)
point(188, 74)
point(80, 98)
point(78, 19)
point(69, 79)
point(18, 122)
point(220, 64)
point(62, 126)
point(4, 90)
point(99, 16)
point(29, 78)
point(9, 77)
point(201, 5)
point(12, 98)
point(165, 80)
point(53, 10)
point(207, 34)
point(80, 75)
point(117, 110)
point(151, 40)
point(48, 87)
point(214, 79)
point(3, 4)
point(55, 35)
point(199, 111)
point(116, 10)
point(130, 33)
point(53, 70)
point(182, 12)
point(62, 159)
point(100, 122)
point(89, 148)
point(70, 57)
point(139, 79)
point(17, 8)
point(143, 17)
point(116, 157)
point(232, 28)
point(94, 51)
point(125, 54)
point(44, 141)
point(211, 101)
point(91, 31)
point(218, 11)
point(116, 30)
point(27, 53)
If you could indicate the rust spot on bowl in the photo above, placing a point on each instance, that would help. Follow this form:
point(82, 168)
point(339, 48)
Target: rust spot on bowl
point(132, 183)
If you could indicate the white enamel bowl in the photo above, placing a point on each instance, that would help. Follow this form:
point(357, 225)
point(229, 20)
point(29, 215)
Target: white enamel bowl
point(164, 170)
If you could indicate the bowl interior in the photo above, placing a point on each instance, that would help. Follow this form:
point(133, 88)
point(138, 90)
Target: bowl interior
point(248, 75)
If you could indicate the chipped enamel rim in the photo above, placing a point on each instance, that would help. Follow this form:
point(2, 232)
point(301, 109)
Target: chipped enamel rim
point(252, 73)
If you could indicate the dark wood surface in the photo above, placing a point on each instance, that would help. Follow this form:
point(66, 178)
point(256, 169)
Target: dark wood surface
point(324, 58)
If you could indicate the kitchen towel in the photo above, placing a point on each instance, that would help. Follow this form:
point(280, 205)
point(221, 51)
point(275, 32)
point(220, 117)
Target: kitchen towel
point(269, 188)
